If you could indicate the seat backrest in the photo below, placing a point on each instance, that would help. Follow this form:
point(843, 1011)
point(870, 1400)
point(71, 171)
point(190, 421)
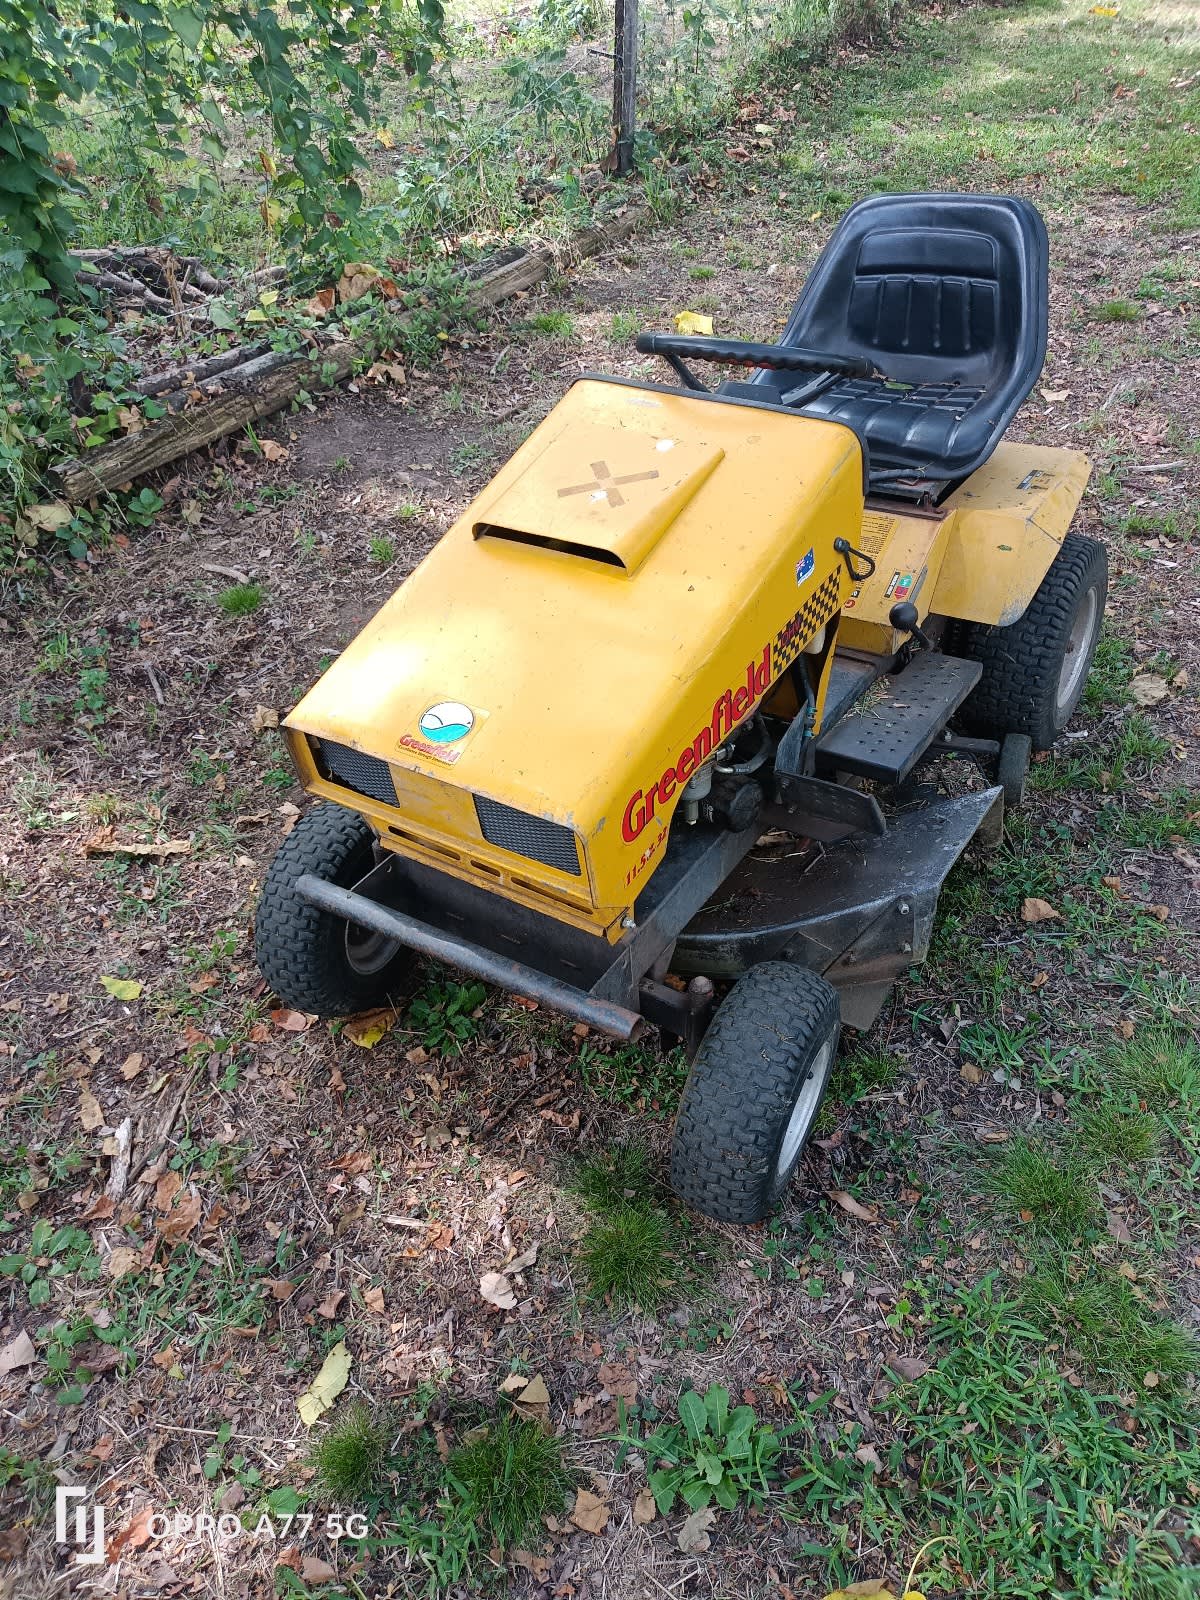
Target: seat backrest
point(934, 288)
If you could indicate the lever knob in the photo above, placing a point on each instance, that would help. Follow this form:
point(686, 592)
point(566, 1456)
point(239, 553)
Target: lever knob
point(904, 617)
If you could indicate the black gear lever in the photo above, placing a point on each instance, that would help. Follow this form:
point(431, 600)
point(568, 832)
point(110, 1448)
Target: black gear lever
point(904, 617)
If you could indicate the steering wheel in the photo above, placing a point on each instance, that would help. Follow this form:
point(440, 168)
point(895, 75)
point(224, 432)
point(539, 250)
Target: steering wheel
point(741, 353)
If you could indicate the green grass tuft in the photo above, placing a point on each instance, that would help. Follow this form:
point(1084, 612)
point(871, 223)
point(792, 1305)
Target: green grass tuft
point(861, 1073)
point(240, 599)
point(512, 1474)
point(350, 1456)
point(1118, 311)
point(1101, 1318)
point(1051, 1187)
point(628, 1259)
point(1113, 1135)
point(558, 324)
point(623, 1174)
point(1159, 1067)
point(625, 327)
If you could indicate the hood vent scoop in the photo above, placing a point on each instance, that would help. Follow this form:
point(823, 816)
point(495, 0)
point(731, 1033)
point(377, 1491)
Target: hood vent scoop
point(604, 494)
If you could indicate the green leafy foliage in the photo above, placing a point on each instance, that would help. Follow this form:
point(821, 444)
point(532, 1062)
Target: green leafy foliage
point(53, 1253)
point(712, 1454)
point(443, 1014)
point(182, 75)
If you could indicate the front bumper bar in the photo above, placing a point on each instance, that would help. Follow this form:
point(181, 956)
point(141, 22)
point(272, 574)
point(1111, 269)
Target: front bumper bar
point(473, 959)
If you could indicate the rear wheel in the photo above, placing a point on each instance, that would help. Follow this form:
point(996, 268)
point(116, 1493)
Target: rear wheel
point(1034, 671)
point(754, 1091)
point(313, 960)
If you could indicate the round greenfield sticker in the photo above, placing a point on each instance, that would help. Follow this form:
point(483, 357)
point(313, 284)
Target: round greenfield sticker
point(447, 721)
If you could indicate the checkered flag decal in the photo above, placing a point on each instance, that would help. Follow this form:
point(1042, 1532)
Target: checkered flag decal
point(812, 616)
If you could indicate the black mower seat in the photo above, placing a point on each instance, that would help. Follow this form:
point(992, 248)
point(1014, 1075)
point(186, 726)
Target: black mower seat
point(947, 295)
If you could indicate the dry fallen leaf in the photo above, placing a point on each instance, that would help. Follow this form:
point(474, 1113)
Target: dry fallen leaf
point(132, 1065)
point(50, 516)
point(619, 1381)
point(264, 717)
point(970, 1073)
point(534, 1400)
point(590, 1512)
point(272, 450)
point(910, 1368)
point(166, 1188)
point(850, 1205)
point(292, 1021)
point(1053, 396)
point(314, 1570)
point(120, 1262)
point(327, 1385)
point(1118, 1227)
point(139, 1532)
point(91, 1116)
point(644, 1508)
point(693, 1536)
point(368, 1029)
point(495, 1288)
point(1147, 689)
point(373, 1299)
point(1035, 910)
point(182, 1220)
point(122, 988)
point(18, 1352)
point(693, 322)
point(1151, 1380)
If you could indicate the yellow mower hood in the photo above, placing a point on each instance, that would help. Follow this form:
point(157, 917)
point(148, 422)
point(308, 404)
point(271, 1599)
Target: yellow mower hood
point(614, 603)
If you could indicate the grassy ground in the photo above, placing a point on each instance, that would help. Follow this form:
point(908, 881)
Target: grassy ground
point(1000, 1361)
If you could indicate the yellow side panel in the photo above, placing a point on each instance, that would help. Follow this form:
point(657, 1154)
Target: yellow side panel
point(1006, 524)
point(908, 551)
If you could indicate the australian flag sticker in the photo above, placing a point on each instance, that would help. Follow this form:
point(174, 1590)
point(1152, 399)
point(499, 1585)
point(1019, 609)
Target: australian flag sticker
point(804, 568)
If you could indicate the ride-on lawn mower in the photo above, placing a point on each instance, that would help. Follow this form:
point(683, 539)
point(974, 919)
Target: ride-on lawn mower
point(649, 714)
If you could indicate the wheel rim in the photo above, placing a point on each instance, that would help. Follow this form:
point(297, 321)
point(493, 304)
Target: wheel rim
point(1078, 653)
point(803, 1112)
point(368, 952)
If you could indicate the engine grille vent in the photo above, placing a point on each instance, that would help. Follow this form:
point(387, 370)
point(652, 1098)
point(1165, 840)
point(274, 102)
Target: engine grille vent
point(364, 774)
point(531, 837)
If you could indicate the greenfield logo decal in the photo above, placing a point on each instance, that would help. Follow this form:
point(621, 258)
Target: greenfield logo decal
point(446, 722)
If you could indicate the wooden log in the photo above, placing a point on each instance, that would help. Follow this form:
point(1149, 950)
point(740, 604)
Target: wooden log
point(195, 371)
point(200, 275)
point(127, 288)
point(279, 377)
point(111, 465)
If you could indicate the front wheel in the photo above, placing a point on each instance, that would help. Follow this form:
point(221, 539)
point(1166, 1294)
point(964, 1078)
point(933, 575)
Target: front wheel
point(1034, 671)
point(753, 1094)
point(312, 959)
